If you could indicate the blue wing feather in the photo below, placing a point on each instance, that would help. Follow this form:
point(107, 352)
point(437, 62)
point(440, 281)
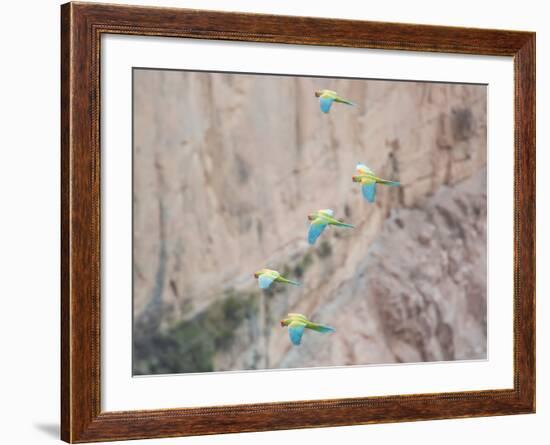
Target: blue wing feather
point(325, 103)
point(315, 230)
point(295, 332)
point(265, 281)
point(369, 191)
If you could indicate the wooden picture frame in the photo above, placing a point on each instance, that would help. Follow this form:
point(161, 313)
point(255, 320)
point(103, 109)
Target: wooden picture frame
point(82, 25)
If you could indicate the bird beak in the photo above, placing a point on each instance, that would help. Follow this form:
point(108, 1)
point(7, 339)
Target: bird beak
point(282, 324)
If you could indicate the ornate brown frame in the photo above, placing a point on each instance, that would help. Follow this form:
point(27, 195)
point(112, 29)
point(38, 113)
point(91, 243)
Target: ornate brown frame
point(82, 25)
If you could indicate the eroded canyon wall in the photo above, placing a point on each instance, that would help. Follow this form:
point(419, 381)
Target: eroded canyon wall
point(226, 169)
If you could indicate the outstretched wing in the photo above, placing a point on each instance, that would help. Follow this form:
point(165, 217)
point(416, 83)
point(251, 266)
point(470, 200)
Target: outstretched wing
point(265, 280)
point(325, 102)
point(362, 169)
point(315, 230)
point(295, 331)
point(369, 191)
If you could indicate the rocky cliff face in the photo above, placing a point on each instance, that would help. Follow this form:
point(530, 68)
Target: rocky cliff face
point(226, 169)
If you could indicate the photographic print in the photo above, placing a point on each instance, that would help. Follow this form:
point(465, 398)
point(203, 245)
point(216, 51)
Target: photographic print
point(289, 221)
point(293, 233)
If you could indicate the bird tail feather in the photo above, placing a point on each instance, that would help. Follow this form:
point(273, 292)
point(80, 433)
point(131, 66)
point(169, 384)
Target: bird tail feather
point(294, 283)
point(391, 183)
point(323, 328)
point(350, 226)
point(344, 101)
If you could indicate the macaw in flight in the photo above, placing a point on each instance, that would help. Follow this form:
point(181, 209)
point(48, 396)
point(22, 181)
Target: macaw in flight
point(267, 276)
point(368, 180)
point(327, 97)
point(297, 323)
point(319, 221)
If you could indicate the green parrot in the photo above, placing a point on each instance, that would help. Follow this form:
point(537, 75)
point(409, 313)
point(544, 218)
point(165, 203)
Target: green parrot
point(326, 97)
point(319, 221)
point(297, 323)
point(368, 181)
point(267, 276)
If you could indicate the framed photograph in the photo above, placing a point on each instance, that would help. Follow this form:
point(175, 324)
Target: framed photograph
point(274, 222)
